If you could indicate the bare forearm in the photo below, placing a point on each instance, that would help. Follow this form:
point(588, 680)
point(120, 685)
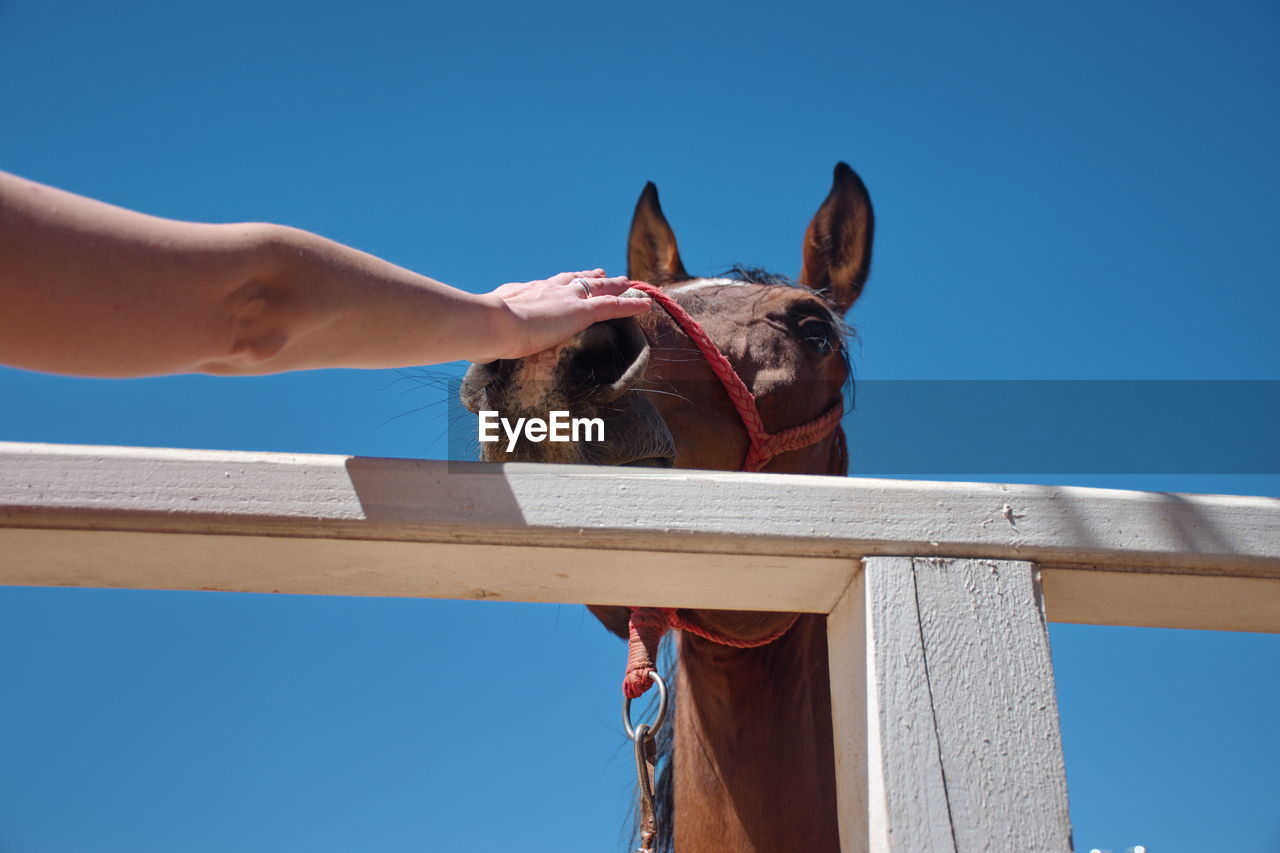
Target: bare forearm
point(320, 304)
point(95, 290)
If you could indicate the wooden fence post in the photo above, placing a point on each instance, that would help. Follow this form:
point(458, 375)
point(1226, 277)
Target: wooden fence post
point(964, 745)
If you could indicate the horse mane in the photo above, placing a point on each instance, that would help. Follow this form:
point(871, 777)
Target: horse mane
point(757, 275)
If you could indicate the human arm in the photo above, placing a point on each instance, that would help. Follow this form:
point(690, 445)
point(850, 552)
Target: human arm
point(91, 289)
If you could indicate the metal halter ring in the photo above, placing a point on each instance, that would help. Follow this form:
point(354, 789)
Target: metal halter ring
point(651, 729)
point(584, 284)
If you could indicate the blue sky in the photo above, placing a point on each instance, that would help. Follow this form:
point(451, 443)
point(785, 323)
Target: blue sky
point(1063, 191)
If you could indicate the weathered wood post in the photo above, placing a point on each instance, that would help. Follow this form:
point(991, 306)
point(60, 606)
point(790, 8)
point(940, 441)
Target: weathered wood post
point(962, 749)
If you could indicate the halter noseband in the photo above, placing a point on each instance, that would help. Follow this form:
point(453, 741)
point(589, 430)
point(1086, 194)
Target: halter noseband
point(648, 624)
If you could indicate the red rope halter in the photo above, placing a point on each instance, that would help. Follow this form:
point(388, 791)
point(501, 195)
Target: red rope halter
point(648, 624)
point(764, 444)
point(645, 630)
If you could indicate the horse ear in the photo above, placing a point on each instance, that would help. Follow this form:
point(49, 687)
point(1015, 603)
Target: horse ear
point(652, 255)
point(837, 246)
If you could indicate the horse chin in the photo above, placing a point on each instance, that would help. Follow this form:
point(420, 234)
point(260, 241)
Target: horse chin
point(635, 435)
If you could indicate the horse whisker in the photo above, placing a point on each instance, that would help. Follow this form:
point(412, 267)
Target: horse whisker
point(664, 393)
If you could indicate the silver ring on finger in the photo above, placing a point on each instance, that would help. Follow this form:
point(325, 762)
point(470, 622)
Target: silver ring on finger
point(585, 285)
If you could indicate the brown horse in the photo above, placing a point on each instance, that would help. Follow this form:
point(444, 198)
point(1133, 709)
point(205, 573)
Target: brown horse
point(753, 765)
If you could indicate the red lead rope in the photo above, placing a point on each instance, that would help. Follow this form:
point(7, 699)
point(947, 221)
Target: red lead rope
point(648, 624)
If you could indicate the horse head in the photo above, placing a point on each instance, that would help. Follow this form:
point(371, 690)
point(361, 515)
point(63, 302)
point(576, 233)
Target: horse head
point(659, 399)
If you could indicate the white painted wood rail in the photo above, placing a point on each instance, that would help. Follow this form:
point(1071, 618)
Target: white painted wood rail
point(946, 723)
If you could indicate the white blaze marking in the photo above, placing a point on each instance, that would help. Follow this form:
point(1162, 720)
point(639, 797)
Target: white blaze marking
point(708, 282)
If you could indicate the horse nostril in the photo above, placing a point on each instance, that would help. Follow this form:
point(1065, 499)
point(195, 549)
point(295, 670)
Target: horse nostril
point(611, 357)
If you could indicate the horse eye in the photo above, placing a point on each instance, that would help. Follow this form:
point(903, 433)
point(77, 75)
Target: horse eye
point(816, 334)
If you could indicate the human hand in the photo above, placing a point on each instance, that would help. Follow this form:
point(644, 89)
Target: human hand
point(537, 315)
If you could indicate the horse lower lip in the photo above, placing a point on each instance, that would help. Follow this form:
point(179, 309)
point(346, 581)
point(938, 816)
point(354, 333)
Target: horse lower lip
point(650, 462)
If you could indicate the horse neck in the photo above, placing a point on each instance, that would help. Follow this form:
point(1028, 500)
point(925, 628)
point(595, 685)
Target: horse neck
point(755, 771)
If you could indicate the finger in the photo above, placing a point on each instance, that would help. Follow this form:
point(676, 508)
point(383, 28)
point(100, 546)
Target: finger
point(609, 286)
point(570, 276)
point(614, 307)
point(589, 287)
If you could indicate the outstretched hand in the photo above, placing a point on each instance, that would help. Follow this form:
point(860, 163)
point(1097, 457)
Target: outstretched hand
point(537, 315)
